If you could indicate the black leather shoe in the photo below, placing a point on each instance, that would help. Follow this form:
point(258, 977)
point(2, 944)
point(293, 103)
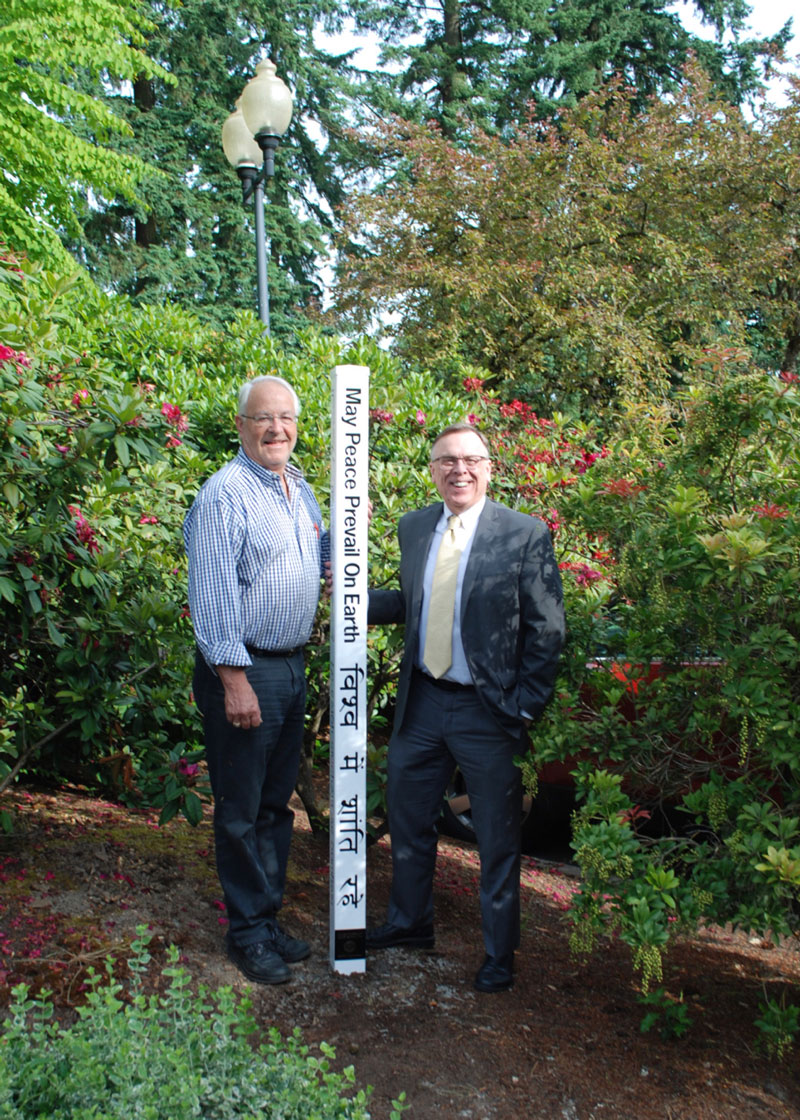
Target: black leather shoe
point(388, 937)
point(259, 962)
point(496, 974)
point(290, 949)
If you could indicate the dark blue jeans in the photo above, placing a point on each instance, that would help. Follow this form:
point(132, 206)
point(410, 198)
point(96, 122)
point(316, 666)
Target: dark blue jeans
point(253, 773)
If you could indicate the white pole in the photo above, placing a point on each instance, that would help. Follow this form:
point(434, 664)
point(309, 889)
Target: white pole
point(348, 683)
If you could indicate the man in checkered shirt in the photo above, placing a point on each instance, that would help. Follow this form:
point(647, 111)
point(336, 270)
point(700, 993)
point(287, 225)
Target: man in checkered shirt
point(257, 553)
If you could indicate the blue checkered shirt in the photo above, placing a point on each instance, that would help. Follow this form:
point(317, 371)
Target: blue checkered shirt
point(255, 561)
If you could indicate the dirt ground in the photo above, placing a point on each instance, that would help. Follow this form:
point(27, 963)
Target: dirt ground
point(79, 875)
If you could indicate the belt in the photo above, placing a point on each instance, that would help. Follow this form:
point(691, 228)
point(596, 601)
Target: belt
point(445, 686)
point(254, 651)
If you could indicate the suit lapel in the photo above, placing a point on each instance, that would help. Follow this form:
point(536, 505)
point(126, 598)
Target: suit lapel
point(419, 546)
point(480, 553)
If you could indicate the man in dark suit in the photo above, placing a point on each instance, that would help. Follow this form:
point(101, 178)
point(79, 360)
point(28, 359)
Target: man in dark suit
point(480, 596)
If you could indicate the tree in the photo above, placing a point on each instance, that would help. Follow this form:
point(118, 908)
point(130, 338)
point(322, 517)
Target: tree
point(588, 259)
point(56, 140)
point(192, 241)
point(487, 61)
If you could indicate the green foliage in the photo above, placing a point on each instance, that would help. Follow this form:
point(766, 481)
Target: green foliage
point(679, 691)
point(55, 140)
point(778, 1025)
point(590, 261)
point(189, 239)
point(489, 61)
point(91, 570)
point(668, 1014)
point(129, 1052)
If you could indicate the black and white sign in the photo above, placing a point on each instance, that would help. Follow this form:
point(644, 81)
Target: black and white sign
point(348, 706)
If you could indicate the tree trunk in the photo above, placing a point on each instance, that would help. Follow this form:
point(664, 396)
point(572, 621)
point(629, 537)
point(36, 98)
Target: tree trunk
point(144, 98)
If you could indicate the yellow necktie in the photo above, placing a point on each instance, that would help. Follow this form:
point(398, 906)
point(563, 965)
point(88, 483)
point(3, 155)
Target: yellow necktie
point(438, 652)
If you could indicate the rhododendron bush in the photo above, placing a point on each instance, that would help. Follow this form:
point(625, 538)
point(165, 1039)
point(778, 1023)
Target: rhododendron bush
point(675, 526)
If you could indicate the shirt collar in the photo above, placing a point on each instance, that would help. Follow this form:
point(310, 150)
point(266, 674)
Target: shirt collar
point(271, 477)
point(469, 518)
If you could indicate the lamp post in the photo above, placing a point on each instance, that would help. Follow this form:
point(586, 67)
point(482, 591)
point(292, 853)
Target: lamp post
point(250, 137)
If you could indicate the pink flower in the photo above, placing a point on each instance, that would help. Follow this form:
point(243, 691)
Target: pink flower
point(472, 384)
point(174, 416)
point(584, 575)
point(61, 448)
point(173, 441)
point(18, 356)
point(472, 419)
point(80, 396)
point(381, 416)
point(421, 417)
point(148, 520)
point(83, 530)
point(187, 769)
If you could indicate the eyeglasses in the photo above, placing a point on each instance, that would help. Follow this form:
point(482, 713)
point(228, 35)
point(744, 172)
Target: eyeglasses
point(447, 462)
point(262, 418)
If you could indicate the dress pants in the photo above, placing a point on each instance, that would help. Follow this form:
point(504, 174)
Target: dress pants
point(253, 774)
point(442, 728)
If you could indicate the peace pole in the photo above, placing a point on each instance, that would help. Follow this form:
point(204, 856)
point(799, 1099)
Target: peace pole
point(348, 682)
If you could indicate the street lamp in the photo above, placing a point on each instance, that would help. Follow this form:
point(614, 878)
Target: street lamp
point(250, 137)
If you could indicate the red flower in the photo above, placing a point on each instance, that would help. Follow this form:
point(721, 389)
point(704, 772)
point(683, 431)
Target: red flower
point(789, 378)
point(771, 511)
point(623, 488)
point(174, 417)
point(584, 575)
point(83, 530)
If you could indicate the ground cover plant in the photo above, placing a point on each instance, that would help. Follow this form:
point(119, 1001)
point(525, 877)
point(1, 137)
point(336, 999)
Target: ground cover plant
point(134, 1053)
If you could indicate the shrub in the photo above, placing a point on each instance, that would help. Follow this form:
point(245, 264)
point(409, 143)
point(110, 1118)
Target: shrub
point(679, 692)
point(132, 1054)
point(114, 416)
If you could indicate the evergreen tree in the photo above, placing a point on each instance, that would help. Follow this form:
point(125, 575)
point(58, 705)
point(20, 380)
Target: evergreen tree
point(192, 241)
point(488, 59)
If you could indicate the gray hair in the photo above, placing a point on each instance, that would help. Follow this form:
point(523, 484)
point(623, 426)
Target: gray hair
point(464, 426)
point(244, 392)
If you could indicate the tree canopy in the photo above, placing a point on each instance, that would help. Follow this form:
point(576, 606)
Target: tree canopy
point(488, 60)
point(190, 240)
point(57, 142)
point(591, 257)
point(112, 139)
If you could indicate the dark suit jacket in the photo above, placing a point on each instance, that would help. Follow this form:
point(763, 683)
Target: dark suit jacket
point(512, 609)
